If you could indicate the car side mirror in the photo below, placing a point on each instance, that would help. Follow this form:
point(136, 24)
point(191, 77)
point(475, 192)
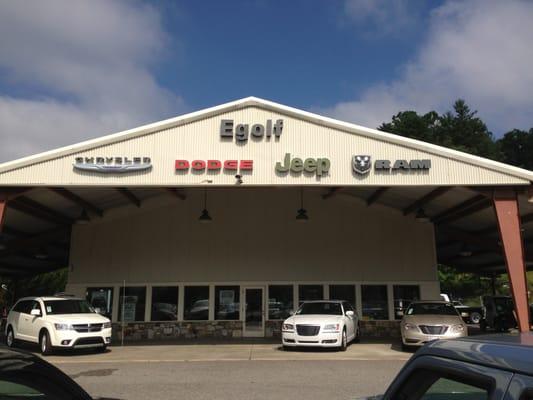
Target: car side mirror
point(400, 313)
point(350, 313)
point(292, 313)
point(35, 312)
point(97, 310)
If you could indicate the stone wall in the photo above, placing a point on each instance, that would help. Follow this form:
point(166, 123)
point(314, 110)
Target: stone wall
point(228, 330)
point(178, 330)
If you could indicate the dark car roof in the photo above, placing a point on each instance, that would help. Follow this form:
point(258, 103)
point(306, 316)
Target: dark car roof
point(512, 352)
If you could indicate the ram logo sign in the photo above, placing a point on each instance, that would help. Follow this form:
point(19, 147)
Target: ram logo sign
point(361, 164)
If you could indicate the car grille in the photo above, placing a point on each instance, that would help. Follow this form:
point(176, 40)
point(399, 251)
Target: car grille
point(433, 329)
point(307, 330)
point(88, 341)
point(84, 328)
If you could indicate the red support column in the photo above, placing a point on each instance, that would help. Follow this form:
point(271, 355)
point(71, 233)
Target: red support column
point(3, 208)
point(508, 216)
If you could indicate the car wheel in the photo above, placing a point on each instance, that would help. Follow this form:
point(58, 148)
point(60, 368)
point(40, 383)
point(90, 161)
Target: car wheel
point(10, 337)
point(357, 337)
point(46, 346)
point(102, 349)
point(344, 341)
point(405, 347)
point(475, 317)
point(286, 348)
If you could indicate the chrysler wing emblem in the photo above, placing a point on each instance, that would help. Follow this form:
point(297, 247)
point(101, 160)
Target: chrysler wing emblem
point(361, 164)
point(112, 168)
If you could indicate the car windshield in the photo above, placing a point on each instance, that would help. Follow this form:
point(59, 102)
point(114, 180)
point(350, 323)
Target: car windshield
point(68, 307)
point(431, 309)
point(320, 308)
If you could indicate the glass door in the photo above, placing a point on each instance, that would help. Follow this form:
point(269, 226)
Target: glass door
point(254, 312)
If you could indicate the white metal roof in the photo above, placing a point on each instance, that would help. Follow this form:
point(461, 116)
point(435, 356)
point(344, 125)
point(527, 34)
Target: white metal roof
point(475, 161)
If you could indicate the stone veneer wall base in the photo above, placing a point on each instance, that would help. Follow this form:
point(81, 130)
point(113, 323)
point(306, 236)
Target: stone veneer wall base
point(139, 331)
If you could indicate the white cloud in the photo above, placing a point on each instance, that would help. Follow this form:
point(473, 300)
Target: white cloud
point(480, 50)
point(382, 16)
point(89, 61)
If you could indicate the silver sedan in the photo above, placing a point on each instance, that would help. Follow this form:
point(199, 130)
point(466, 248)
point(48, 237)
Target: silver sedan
point(424, 321)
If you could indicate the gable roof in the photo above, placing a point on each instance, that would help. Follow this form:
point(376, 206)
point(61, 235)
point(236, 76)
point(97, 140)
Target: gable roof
point(275, 107)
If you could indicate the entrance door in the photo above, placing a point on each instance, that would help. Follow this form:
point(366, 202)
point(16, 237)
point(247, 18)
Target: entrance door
point(254, 312)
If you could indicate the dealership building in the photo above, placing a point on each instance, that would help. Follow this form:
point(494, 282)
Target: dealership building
point(220, 222)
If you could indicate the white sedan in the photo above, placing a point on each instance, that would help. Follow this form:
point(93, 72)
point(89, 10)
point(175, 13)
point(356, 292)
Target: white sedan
point(324, 323)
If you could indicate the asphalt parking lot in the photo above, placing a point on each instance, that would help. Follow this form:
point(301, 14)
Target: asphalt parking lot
point(233, 371)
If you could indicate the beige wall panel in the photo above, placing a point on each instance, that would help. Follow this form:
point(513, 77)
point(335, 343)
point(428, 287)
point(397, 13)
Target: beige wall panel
point(201, 140)
point(253, 237)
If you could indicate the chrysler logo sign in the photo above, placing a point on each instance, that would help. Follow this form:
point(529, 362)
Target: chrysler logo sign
point(112, 165)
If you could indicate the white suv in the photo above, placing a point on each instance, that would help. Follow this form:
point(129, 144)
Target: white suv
point(57, 322)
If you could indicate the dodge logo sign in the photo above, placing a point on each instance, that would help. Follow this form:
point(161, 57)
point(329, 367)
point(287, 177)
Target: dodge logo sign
point(361, 164)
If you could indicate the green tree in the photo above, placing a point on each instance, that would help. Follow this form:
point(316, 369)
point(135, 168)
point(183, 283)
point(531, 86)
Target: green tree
point(414, 126)
point(459, 129)
point(516, 148)
point(462, 130)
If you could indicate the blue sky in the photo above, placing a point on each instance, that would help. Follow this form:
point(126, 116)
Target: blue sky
point(303, 53)
point(71, 70)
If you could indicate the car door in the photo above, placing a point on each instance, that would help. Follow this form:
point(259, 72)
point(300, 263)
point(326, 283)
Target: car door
point(35, 323)
point(350, 320)
point(437, 378)
point(21, 321)
point(521, 388)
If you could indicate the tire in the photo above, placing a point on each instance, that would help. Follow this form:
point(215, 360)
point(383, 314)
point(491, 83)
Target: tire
point(10, 337)
point(285, 348)
point(44, 344)
point(405, 348)
point(344, 341)
point(357, 337)
point(475, 317)
point(102, 349)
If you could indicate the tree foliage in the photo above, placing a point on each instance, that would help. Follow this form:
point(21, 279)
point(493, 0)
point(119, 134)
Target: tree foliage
point(461, 129)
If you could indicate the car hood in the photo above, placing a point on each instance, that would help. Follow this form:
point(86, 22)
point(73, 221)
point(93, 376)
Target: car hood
point(314, 319)
point(432, 319)
point(77, 318)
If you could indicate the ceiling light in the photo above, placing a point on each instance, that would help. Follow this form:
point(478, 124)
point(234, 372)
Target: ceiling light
point(205, 218)
point(301, 215)
point(421, 216)
point(83, 219)
point(41, 254)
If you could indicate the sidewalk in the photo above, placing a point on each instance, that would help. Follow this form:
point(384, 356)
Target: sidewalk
point(243, 350)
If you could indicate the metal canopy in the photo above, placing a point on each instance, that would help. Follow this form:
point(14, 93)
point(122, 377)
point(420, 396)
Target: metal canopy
point(36, 233)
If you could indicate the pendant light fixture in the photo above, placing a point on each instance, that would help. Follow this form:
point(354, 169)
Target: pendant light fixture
point(83, 219)
point(302, 216)
point(421, 216)
point(205, 218)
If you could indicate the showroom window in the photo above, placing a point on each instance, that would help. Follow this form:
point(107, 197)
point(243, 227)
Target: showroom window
point(196, 303)
point(101, 298)
point(164, 303)
point(280, 301)
point(132, 302)
point(310, 292)
point(342, 292)
point(375, 301)
point(403, 296)
point(227, 302)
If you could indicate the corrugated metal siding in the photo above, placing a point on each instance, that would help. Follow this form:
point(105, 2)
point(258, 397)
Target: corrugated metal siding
point(201, 140)
point(254, 237)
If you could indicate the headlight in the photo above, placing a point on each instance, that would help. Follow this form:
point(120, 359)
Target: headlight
point(331, 327)
point(106, 325)
point(63, 327)
point(287, 327)
point(410, 327)
point(464, 314)
point(458, 328)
